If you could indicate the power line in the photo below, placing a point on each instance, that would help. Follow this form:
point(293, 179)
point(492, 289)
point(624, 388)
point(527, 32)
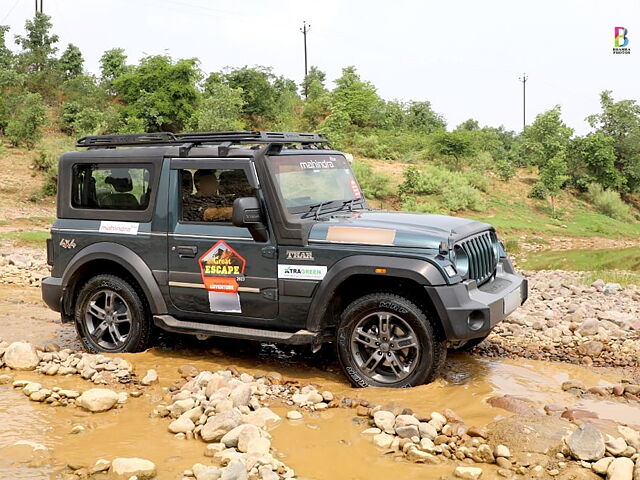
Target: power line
point(305, 28)
point(10, 10)
point(524, 79)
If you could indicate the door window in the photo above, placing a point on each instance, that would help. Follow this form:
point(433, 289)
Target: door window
point(207, 195)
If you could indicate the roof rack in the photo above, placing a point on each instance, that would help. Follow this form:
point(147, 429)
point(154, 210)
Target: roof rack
point(199, 138)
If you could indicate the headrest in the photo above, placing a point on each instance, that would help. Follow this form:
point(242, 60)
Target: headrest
point(120, 180)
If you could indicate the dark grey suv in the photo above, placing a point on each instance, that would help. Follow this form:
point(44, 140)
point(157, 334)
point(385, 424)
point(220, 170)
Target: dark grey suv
point(267, 237)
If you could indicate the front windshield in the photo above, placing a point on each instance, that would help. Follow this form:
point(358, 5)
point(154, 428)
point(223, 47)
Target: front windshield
point(306, 181)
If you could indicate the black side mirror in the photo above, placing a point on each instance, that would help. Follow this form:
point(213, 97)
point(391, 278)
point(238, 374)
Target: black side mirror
point(246, 213)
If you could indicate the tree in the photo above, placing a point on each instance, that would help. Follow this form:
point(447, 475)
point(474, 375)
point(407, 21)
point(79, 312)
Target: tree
point(71, 62)
point(160, 92)
point(355, 98)
point(456, 144)
point(113, 64)
point(6, 56)
point(314, 83)
point(546, 137)
point(421, 117)
point(316, 106)
point(469, 125)
point(258, 93)
point(553, 176)
point(38, 45)
point(621, 121)
point(24, 126)
point(593, 159)
point(220, 109)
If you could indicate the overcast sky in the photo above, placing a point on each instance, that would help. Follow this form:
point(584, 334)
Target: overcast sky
point(465, 57)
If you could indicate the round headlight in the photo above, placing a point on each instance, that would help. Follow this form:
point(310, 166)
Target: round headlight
point(461, 261)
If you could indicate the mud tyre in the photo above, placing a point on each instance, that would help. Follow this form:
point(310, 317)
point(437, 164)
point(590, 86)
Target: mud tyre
point(386, 340)
point(112, 316)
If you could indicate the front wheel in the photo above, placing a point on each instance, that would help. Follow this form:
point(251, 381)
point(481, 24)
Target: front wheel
point(111, 316)
point(386, 340)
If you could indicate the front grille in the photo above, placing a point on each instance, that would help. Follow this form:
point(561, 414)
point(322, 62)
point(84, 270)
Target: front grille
point(481, 255)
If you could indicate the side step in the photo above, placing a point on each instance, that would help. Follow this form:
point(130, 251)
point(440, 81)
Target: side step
point(172, 324)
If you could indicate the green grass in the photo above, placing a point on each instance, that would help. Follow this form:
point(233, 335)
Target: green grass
point(626, 259)
point(612, 276)
point(27, 238)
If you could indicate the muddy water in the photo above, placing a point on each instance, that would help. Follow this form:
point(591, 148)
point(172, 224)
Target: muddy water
point(322, 446)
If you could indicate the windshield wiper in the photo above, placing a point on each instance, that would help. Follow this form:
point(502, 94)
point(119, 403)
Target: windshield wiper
point(318, 207)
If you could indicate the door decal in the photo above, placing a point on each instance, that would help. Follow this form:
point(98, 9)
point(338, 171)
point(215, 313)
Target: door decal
point(221, 267)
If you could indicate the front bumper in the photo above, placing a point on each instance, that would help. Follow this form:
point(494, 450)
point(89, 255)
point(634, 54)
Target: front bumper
point(52, 293)
point(467, 311)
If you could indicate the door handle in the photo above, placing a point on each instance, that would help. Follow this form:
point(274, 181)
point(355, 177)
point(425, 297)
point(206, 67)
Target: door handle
point(187, 251)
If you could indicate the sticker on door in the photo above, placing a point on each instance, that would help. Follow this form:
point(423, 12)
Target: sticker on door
point(220, 267)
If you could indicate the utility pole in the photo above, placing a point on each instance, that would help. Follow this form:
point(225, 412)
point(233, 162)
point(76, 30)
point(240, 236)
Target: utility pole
point(524, 79)
point(39, 9)
point(305, 28)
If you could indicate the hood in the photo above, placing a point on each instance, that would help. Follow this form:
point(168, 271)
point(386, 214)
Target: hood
point(394, 228)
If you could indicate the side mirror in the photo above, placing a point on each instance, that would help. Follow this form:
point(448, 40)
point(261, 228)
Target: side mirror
point(246, 213)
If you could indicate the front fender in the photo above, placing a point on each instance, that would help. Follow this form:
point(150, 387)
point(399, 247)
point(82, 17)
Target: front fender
point(126, 258)
point(420, 271)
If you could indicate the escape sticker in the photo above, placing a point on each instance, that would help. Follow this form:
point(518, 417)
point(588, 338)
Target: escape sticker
point(302, 272)
point(221, 267)
point(125, 228)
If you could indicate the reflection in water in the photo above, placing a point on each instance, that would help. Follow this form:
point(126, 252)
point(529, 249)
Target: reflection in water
point(335, 449)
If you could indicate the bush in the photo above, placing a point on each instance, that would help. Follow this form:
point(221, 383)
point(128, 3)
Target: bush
point(48, 164)
point(453, 188)
point(539, 191)
point(25, 125)
point(505, 169)
point(412, 204)
point(373, 184)
point(609, 203)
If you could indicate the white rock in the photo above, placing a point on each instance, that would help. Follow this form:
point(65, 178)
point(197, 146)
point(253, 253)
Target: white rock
point(620, 469)
point(21, 356)
point(246, 436)
point(385, 421)
point(501, 451)
point(263, 417)
point(383, 440)
point(150, 378)
point(31, 387)
point(98, 399)
point(615, 446)
point(470, 473)
point(241, 395)
point(206, 472)
point(258, 446)
point(294, 415)
point(125, 468)
point(601, 466)
point(182, 424)
point(235, 471)
point(631, 436)
point(427, 430)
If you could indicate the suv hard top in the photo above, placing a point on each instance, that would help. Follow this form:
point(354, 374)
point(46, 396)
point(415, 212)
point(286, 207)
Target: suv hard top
point(267, 237)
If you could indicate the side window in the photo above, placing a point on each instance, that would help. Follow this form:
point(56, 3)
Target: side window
point(110, 187)
point(208, 195)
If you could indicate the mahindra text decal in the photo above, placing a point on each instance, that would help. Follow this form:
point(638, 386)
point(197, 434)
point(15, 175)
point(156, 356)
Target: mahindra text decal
point(318, 164)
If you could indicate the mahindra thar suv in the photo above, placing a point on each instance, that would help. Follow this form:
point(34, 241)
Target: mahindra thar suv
point(265, 236)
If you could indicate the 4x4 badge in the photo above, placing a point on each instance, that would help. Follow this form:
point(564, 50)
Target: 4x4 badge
point(64, 243)
point(299, 255)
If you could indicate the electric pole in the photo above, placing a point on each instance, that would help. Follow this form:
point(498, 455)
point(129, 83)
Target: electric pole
point(39, 9)
point(305, 28)
point(524, 79)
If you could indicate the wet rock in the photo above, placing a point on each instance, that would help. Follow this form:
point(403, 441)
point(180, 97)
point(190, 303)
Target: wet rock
point(451, 416)
point(182, 425)
point(468, 473)
point(383, 440)
point(385, 421)
point(125, 468)
point(31, 387)
point(573, 385)
point(4, 379)
point(620, 469)
point(187, 371)
point(418, 456)
point(294, 415)
point(25, 451)
point(263, 418)
point(573, 414)
point(537, 434)
point(98, 399)
point(514, 404)
point(477, 432)
point(101, 465)
point(150, 378)
point(218, 425)
point(21, 356)
point(206, 472)
point(586, 443)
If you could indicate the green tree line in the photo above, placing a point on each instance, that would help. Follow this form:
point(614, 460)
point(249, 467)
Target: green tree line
point(44, 87)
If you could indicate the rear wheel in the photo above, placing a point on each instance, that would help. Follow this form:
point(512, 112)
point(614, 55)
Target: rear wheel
point(386, 340)
point(111, 316)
